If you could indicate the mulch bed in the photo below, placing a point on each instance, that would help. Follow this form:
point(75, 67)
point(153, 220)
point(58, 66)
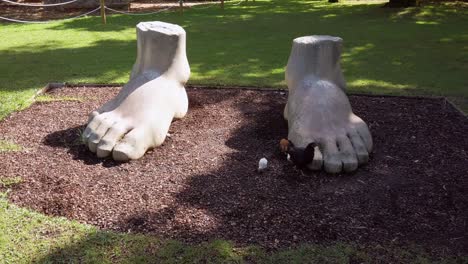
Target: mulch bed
point(202, 183)
point(37, 13)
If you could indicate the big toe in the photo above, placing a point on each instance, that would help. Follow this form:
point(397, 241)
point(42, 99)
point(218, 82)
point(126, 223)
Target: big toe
point(94, 120)
point(94, 132)
point(132, 146)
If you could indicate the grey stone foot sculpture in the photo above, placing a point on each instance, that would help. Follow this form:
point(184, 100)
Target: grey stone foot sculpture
point(138, 118)
point(318, 110)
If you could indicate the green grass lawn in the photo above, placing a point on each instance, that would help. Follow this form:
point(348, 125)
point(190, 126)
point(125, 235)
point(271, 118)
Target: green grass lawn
point(413, 51)
point(416, 51)
point(29, 237)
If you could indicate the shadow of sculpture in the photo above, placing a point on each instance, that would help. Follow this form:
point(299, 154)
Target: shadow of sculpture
point(274, 209)
point(71, 140)
point(215, 192)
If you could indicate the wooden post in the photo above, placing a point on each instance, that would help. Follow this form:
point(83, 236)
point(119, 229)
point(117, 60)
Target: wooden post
point(103, 12)
point(222, 4)
point(181, 5)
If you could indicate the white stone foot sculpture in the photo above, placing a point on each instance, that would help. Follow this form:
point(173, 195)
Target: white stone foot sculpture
point(318, 109)
point(138, 118)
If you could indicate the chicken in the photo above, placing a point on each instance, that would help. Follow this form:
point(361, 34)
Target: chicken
point(300, 157)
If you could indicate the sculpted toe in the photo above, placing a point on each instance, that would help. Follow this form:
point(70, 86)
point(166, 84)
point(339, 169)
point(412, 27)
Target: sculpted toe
point(349, 164)
point(318, 107)
point(332, 164)
point(359, 148)
point(113, 135)
point(363, 131)
point(151, 99)
point(331, 156)
point(91, 127)
point(133, 145)
point(348, 156)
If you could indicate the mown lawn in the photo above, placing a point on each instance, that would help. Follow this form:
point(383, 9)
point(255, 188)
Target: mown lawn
point(416, 51)
point(29, 237)
point(413, 51)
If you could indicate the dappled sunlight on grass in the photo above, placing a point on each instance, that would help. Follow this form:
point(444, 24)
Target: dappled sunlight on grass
point(347, 57)
point(30, 237)
point(249, 44)
point(432, 14)
point(329, 15)
point(427, 22)
point(254, 76)
point(376, 86)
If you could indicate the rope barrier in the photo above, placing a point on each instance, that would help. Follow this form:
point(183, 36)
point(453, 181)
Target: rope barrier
point(94, 10)
point(137, 14)
point(39, 5)
point(48, 21)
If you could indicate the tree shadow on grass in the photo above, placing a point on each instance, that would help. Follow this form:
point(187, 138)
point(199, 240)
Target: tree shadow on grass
point(109, 247)
point(104, 61)
point(249, 45)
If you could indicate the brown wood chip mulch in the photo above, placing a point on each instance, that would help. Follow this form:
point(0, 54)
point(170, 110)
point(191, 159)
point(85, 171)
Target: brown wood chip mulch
point(30, 13)
point(202, 183)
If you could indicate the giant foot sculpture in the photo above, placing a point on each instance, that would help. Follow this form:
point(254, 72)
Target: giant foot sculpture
point(138, 118)
point(318, 110)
